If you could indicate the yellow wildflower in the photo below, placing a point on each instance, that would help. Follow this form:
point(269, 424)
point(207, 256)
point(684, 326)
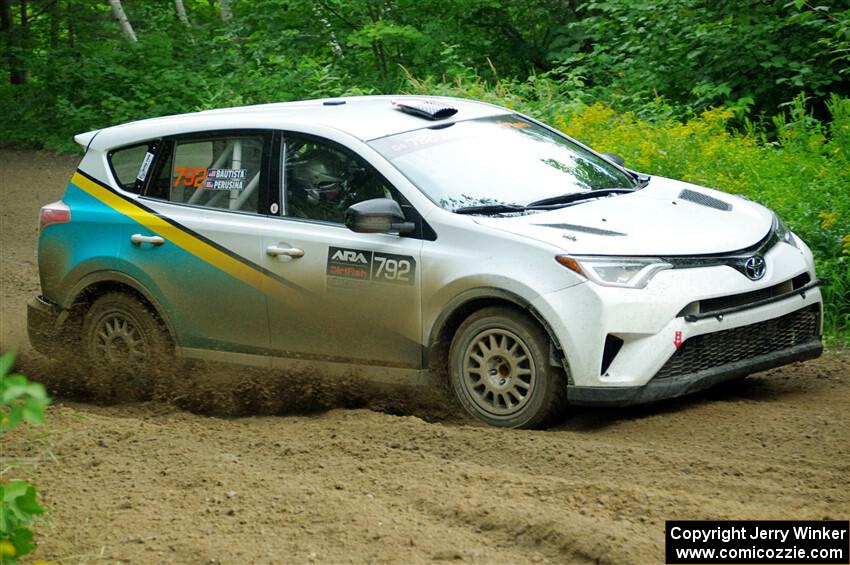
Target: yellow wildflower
point(7, 549)
point(846, 241)
point(828, 219)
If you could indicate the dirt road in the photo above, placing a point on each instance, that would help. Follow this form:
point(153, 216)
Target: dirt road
point(336, 474)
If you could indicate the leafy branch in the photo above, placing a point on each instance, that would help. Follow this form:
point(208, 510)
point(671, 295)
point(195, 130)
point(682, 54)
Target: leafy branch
point(20, 401)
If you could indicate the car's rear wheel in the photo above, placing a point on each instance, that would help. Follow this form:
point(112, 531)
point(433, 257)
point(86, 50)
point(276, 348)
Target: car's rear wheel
point(126, 347)
point(500, 371)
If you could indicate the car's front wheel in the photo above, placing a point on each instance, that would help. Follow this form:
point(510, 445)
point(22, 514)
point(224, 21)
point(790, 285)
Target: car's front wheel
point(500, 371)
point(126, 347)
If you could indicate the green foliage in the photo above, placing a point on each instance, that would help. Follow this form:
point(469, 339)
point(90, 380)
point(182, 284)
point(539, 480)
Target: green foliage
point(832, 28)
point(18, 507)
point(744, 55)
point(20, 400)
point(751, 56)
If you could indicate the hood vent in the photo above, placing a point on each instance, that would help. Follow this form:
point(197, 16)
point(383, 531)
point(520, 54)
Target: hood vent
point(583, 229)
point(704, 200)
point(427, 109)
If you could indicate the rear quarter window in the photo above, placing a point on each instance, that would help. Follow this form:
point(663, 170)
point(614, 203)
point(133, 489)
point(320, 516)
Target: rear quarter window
point(223, 171)
point(130, 165)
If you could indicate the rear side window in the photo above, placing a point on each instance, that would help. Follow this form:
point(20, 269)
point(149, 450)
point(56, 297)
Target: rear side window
point(222, 172)
point(130, 165)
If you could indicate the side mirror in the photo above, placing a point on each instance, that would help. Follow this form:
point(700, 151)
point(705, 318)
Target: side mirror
point(379, 215)
point(615, 158)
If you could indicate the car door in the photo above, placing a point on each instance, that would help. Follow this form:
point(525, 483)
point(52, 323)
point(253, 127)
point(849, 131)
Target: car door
point(340, 296)
point(198, 248)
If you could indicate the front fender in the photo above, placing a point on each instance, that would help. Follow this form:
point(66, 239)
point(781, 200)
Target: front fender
point(462, 300)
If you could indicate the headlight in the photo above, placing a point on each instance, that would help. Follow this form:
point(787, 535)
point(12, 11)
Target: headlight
point(782, 231)
point(624, 272)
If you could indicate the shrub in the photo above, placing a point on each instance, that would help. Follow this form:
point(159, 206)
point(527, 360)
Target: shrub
point(20, 401)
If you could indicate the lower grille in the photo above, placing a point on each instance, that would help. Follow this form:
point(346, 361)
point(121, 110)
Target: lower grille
point(742, 299)
point(739, 344)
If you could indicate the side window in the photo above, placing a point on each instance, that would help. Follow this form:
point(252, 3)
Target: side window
point(221, 172)
point(130, 165)
point(322, 180)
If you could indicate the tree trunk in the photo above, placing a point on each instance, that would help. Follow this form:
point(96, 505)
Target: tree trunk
point(12, 42)
point(25, 45)
point(7, 24)
point(54, 24)
point(181, 13)
point(376, 15)
point(118, 11)
point(226, 10)
point(72, 30)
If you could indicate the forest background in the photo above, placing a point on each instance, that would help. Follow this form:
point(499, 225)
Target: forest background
point(748, 96)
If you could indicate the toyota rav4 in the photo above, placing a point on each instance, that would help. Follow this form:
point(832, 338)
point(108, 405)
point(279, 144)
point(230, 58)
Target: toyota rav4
point(414, 239)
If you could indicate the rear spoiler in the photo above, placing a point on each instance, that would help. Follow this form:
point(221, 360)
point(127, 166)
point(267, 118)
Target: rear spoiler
point(85, 139)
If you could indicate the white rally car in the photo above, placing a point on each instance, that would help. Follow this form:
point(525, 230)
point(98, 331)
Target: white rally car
point(407, 239)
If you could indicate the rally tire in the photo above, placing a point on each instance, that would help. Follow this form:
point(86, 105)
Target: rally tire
point(125, 347)
point(500, 372)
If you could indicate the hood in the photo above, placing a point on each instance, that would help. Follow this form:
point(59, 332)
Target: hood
point(666, 217)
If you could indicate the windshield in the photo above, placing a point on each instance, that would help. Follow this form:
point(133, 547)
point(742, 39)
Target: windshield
point(496, 160)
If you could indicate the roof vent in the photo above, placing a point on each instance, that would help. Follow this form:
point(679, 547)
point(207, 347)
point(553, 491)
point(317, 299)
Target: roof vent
point(427, 109)
point(704, 200)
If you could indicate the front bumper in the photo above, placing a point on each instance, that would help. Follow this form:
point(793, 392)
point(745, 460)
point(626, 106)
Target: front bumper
point(43, 326)
point(658, 389)
point(622, 346)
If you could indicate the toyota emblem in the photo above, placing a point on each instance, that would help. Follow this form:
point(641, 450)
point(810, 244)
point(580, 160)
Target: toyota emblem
point(755, 267)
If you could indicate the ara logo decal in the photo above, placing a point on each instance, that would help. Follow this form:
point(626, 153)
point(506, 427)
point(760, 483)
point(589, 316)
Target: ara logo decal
point(349, 264)
point(677, 339)
point(371, 266)
point(349, 256)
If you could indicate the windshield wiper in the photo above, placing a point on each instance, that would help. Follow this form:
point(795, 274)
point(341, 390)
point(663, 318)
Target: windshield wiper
point(491, 209)
point(576, 196)
point(551, 203)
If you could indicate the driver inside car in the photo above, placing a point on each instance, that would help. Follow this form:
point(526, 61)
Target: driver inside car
point(315, 184)
point(322, 183)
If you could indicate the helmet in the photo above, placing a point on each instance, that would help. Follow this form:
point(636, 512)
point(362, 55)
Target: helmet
point(319, 172)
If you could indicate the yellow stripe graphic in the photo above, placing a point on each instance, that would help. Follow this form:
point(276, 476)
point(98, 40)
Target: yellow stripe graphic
point(178, 237)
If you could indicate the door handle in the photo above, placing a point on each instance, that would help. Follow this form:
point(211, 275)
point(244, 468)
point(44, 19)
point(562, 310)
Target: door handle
point(138, 239)
point(275, 251)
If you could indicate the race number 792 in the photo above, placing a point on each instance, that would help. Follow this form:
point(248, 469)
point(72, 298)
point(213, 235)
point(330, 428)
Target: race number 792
point(393, 268)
